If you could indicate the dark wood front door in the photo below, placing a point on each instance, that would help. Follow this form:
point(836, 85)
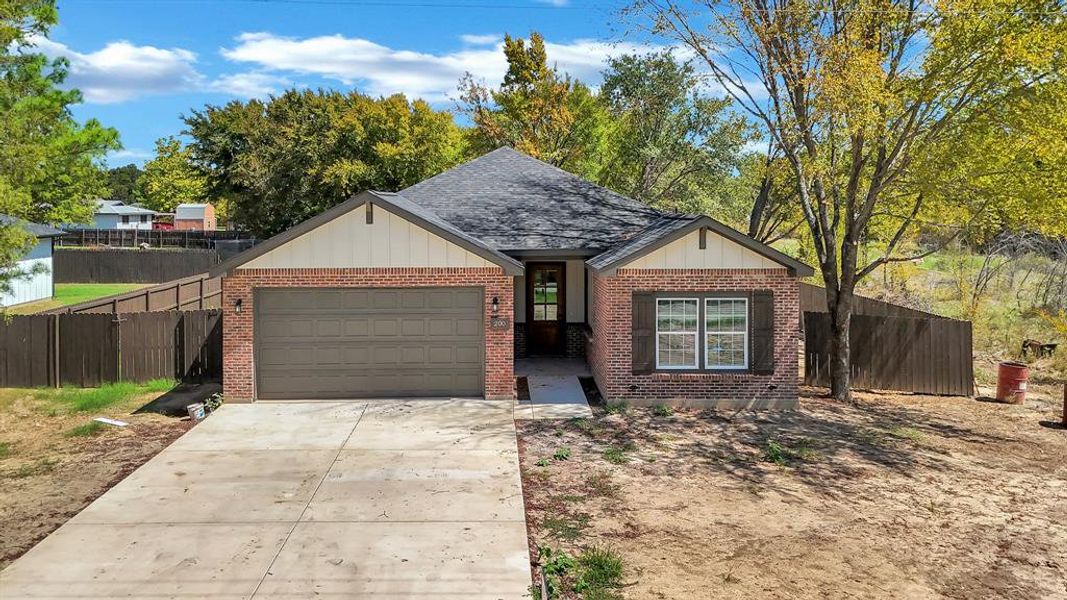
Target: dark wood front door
point(545, 314)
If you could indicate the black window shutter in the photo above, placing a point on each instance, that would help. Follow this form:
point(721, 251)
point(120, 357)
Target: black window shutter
point(643, 329)
point(762, 349)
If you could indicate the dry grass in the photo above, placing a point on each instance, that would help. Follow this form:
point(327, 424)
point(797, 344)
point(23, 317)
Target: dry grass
point(54, 459)
point(898, 496)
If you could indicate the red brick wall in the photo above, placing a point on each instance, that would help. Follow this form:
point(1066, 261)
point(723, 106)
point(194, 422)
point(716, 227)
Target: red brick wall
point(237, 371)
point(609, 350)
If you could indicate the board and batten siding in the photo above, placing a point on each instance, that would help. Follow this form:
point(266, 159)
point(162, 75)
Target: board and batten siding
point(350, 242)
point(37, 286)
point(685, 253)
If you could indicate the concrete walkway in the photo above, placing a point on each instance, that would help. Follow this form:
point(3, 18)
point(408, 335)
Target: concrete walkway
point(554, 397)
point(396, 499)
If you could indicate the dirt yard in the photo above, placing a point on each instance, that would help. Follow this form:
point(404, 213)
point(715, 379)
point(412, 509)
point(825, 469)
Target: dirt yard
point(895, 497)
point(54, 462)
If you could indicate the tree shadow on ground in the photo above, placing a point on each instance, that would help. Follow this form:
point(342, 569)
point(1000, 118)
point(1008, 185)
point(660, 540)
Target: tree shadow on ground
point(823, 444)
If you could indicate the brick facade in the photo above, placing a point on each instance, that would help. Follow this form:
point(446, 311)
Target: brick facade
point(609, 349)
point(238, 374)
point(574, 346)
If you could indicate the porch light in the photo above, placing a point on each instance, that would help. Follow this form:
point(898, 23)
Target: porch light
point(496, 305)
point(237, 306)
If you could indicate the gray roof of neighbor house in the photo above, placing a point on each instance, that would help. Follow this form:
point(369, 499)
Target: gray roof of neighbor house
point(118, 207)
point(515, 202)
point(35, 229)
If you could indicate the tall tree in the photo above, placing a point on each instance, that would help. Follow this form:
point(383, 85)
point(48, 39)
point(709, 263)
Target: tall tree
point(671, 146)
point(856, 93)
point(51, 166)
point(281, 161)
point(536, 110)
point(171, 178)
point(125, 183)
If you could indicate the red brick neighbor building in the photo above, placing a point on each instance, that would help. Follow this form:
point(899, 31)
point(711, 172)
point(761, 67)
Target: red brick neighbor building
point(195, 217)
point(436, 290)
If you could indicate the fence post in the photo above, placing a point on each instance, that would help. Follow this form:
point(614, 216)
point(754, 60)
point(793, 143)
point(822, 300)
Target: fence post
point(55, 350)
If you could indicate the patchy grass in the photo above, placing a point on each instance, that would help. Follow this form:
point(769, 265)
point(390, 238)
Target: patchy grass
point(68, 294)
point(618, 455)
point(599, 571)
point(566, 527)
point(595, 574)
point(907, 433)
point(882, 486)
point(94, 399)
point(40, 466)
point(615, 408)
point(50, 443)
point(662, 410)
point(86, 430)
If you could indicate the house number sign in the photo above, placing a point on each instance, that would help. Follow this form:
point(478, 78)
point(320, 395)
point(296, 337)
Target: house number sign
point(499, 323)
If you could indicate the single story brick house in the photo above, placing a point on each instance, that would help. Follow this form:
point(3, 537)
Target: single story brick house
point(435, 290)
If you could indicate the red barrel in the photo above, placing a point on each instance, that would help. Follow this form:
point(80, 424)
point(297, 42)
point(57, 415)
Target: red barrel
point(1011, 382)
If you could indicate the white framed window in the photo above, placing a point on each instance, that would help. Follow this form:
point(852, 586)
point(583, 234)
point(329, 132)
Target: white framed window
point(726, 333)
point(677, 324)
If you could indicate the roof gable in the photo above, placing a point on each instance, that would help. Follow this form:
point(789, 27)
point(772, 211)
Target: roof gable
point(400, 235)
point(672, 243)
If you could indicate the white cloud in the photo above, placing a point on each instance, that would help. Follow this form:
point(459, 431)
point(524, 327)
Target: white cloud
point(121, 71)
point(379, 69)
point(128, 155)
point(253, 84)
point(481, 40)
point(555, 2)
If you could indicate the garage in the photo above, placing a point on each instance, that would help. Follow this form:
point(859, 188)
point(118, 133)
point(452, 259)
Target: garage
point(329, 343)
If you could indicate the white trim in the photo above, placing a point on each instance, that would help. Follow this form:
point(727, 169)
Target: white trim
point(695, 334)
point(745, 334)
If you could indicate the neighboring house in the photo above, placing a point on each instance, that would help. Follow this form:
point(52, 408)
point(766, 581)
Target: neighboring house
point(116, 214)
point(435, 290)
point(195, 217)
point(36, 284)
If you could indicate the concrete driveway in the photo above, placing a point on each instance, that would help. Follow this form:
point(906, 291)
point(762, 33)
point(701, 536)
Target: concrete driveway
point(396, 499)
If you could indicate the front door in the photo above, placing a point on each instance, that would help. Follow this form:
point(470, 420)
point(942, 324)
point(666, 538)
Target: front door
point(545, 315)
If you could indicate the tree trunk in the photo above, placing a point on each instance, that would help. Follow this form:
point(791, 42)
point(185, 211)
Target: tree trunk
point(840, 306)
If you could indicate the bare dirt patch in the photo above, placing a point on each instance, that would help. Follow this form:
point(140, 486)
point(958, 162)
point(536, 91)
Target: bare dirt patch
point(898, 496)
point(47, 475)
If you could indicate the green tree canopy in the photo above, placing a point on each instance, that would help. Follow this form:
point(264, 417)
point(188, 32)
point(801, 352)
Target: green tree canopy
point(671, 146)
point(171, 178)
point(51, 166)
point(125, 183)
point(281, 161)
point(537, 110)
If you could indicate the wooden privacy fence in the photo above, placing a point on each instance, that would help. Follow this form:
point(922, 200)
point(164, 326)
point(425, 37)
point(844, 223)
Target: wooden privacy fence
point(121, 265)
point(927, 355)
point(191, 293)
point(157, 238)
point(88, 350)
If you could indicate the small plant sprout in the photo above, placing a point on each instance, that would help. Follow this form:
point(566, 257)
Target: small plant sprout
point(662, 410)
point(563, 453)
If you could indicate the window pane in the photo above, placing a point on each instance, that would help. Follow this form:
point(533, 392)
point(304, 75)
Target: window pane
point(677, 350)
point(726, 315)
point(550, 312)
point(726, 350)
point(539, 312)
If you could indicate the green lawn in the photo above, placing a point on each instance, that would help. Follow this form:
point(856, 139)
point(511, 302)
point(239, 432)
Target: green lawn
point(75, 293)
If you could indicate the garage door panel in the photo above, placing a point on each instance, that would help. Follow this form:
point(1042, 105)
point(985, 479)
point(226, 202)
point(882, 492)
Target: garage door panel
point(350, 343)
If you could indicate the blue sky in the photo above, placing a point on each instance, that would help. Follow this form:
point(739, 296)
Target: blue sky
point(143, 63)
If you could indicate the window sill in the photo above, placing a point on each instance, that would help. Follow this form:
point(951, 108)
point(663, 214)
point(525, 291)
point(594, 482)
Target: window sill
point(702, 375)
